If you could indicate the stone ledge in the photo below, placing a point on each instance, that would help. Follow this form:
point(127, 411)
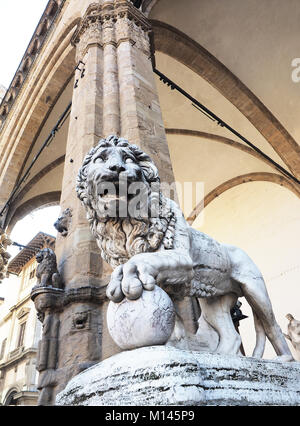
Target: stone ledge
point(163, 375)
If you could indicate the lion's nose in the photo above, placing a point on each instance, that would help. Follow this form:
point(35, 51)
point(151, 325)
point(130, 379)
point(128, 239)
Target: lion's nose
point(117, 167)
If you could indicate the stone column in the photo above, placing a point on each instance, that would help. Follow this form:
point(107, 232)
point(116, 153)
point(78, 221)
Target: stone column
point(79, 260)
point(114, 92)
point(111, 98)
point(141, 119)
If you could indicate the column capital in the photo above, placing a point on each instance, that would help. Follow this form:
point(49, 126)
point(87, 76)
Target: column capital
point(127, 19)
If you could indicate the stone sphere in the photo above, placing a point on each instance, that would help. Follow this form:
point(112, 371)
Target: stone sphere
point(147, 321)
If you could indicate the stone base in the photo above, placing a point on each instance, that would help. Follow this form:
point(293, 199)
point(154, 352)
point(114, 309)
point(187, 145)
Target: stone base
point(163, 375)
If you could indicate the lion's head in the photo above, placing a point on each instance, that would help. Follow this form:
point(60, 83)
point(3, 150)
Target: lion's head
point(118, 185)
point(113, 173)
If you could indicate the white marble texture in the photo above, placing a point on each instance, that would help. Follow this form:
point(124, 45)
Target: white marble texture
point(146, 321)
point(146, 249)
point(163, 375)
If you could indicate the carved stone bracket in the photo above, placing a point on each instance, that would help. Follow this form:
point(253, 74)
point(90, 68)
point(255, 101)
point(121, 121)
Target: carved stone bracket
point(47, 299)
point(63, 222)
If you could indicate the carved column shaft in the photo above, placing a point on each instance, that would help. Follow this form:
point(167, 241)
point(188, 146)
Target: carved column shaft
point(114, 93)
point(111, 98)
point(78, 254)
point(141, 119)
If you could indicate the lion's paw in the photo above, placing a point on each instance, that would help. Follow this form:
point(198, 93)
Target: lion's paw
point(132, 288)
point(114, 291)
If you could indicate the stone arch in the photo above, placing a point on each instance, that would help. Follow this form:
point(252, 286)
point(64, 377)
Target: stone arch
point(238, 180)
point(9, 398)
point(182, 48)
point(51, 81)
point(148, 5)
point(40, 201)
point(47, 169)
point(220, 139)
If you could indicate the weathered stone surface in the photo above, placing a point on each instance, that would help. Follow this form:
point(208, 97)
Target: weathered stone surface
point(162, 375)
point(146, 321)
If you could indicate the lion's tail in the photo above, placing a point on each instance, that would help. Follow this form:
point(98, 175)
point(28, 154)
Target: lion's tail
point(260, 337)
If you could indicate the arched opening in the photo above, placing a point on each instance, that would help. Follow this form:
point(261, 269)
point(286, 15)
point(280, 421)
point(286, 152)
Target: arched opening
point(263, 219)
point(177, 45)
point(10, 399)
point(40, 202)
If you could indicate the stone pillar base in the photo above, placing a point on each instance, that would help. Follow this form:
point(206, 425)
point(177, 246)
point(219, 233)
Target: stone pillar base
point(163, 375)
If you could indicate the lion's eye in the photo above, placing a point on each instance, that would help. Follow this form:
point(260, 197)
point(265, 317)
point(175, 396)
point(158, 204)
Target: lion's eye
point(128, 160)
point(99, 160)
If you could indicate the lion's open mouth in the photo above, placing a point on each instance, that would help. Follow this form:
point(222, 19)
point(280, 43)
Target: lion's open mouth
point(122, 199)
point(109, 191)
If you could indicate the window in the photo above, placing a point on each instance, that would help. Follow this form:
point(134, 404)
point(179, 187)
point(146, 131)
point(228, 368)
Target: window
point(21, 334)
point(28, 275)
point(3, 348)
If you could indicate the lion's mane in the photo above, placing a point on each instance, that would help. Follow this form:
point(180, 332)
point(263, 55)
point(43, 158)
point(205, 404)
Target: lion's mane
point(121, 238)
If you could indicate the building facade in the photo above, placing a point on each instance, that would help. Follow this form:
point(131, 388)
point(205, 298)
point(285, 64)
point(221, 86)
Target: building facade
point(20, 329)
point(95, 68)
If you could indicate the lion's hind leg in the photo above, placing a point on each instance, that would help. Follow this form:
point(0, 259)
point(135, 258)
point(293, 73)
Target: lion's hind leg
point(216, 312)
point(253, 287)
point(258, 298)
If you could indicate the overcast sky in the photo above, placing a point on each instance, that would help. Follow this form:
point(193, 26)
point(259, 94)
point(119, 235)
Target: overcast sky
point(18, 20)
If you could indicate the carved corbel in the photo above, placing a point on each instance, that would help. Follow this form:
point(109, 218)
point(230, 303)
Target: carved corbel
point(63, 222)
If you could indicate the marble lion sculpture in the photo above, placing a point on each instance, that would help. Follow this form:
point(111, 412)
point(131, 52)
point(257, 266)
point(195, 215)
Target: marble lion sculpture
point(163, 249)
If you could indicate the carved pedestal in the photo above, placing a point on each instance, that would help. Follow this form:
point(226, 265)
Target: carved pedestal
point(162, 375)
